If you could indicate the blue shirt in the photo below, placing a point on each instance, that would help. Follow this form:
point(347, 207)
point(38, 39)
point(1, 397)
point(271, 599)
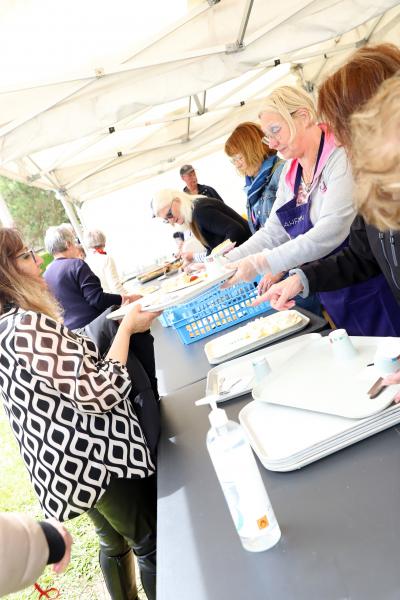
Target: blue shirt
point(78, 290)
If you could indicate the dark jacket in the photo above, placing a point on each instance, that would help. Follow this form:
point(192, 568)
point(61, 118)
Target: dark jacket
point(370, 253)
point(205, 190)
point(78, 290)
point(218, 222)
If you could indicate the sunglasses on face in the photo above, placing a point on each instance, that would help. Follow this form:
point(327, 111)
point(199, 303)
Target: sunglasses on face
point(169, 215)
point(28, 254)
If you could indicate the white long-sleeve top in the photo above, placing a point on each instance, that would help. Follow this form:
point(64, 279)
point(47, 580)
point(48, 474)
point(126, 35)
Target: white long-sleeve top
point(331, 213)
point(103, 265)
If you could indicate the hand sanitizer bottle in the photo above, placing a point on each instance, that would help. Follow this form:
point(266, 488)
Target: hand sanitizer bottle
point(241, 482)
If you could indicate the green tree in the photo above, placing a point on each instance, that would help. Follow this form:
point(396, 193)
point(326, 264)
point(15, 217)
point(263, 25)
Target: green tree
point(32, 209)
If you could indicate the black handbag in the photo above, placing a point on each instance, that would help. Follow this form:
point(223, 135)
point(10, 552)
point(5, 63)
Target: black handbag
point(145, 404)
point(143, 397)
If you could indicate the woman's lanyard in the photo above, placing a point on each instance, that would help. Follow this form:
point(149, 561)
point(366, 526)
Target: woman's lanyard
point(299, 171)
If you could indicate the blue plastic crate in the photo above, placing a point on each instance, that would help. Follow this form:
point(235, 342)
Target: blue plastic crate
point(163, 320)
point(214, 311)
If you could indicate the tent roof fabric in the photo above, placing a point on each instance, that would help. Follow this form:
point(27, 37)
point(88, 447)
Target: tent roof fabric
point(91, 112)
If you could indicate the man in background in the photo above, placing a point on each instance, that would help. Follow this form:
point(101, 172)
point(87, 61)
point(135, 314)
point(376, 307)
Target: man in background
point(188, 174)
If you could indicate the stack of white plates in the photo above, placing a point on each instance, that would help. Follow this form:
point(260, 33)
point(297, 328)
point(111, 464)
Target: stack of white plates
point(286, 438)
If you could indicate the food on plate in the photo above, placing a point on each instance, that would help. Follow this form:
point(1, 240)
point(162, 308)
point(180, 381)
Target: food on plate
point(182, 281)
point(149, 275)
point(258, 329)
point(174, 266)
point(222, 248)
point(143, 290)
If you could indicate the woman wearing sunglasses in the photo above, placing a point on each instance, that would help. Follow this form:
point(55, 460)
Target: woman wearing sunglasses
point(210, 222)
point(70, 413)
point(259, 164)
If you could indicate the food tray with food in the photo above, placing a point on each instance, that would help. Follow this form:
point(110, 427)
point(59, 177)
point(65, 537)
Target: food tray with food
point(215, 311)
point(320, 382)
point(164, 269)
point(254, 335)
point(150, 275)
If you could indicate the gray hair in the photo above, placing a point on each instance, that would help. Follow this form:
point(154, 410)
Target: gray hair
point(95, 239)
point(58, 237)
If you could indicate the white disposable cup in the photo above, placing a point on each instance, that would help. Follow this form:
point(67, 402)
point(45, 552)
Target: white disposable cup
point(261, 369)
point(386, 358)
point(341, 345)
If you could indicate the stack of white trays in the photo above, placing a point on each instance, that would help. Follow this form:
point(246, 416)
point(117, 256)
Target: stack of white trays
point(312, 405)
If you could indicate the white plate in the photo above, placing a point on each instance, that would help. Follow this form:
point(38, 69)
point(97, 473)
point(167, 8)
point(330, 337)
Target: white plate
point(159, 300)
point(232, 344)
point(225, 375)
point(314, 380)
point(174, 285)
point(145, 289)
point(287, 438)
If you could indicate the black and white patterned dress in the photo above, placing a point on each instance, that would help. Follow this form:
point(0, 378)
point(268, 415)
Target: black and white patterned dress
point(69, 411)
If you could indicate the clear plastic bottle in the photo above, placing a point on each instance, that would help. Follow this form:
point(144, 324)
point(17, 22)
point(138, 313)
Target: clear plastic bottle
point(241, 482)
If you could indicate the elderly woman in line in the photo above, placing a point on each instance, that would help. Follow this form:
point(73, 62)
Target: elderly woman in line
point(86, 307)
point(371, 261)
point(261, 167)
point(102, 264)
point(210, 222)
point(70, 413)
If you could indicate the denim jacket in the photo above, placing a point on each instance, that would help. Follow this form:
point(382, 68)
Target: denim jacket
point(261, 191)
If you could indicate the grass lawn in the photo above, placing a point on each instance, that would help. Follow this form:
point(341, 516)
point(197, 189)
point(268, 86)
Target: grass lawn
point(83, 578)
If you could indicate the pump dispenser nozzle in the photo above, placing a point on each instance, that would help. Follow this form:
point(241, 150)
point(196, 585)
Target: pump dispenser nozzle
point(217, 416)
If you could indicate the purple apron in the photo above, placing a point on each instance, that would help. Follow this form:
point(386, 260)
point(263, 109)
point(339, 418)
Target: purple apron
point(367, 308)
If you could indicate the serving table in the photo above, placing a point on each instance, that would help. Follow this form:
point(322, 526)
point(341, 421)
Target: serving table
point(339, 519)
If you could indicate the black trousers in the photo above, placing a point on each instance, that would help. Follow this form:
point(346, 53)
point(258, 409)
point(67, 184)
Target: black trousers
point(125, 518)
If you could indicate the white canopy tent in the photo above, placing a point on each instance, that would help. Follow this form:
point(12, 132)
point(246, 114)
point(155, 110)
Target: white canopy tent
point(87, 109)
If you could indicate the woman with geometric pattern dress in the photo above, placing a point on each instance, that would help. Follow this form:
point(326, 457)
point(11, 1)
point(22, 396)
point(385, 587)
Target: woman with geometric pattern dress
point(70, 413)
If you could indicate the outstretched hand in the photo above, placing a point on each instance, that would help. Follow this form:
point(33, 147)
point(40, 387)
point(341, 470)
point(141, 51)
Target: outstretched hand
point(247, 269)
point(267, 281)
point(138, 320)
point(280, 294)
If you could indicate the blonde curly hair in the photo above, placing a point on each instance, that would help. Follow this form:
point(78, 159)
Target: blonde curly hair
point(375, 134)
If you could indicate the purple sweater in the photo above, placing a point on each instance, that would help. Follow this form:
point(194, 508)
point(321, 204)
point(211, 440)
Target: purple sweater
point(78, 290)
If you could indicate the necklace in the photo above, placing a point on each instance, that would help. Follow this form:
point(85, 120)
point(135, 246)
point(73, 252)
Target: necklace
point(307, 185)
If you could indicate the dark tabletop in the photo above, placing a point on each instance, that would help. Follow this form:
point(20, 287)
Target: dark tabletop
point(339, 518)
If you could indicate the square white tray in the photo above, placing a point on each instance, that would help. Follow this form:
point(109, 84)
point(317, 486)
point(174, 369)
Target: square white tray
point(160, 301)
point(314, 380)
point(241, 369)
point(217, 351)
point(285, 438)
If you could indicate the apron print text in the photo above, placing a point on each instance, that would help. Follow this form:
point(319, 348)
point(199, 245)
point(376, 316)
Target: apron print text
point(293, 222)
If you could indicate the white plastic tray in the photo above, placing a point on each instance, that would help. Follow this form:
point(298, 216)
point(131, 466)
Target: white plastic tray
point(160, 301)
point(241, 370)
point(217, 351)
point(314, 380)
point(285, 438)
